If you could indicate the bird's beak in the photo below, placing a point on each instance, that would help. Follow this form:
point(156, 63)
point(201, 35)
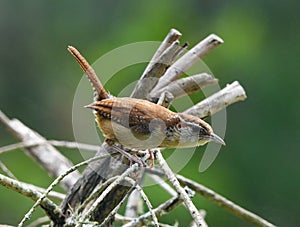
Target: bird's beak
point(217, 139)
point(91, 106)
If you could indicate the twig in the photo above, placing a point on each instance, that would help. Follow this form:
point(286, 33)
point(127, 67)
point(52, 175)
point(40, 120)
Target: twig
point(14, 147)
point(224, 202)
point(50, 208)
point(142, 88)
point(164, 100)
point(95, 193)
point(154, 71)
point(203, 214)
point(7, 171)
point(115, 210)
point(218, 199)
point(230, 94)
point(163, 184)
point(55, 182)
point(74, 145)
point(97, 172)
point(95, 205)
point(171, 37)
point(182, 193)
point(10, 182)
point(45, 154)
point(39, 221)
point(187, 60)
point(188, 85)
point(159, 211)
point(55, 143)
point(133, 204)
point(147, 201)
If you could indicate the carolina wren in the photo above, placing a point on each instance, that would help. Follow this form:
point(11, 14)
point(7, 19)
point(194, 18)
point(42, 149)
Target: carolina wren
point(140, 124)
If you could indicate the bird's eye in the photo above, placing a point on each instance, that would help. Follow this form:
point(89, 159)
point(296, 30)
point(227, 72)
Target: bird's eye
point(203, 131)
point(199, 130)
point(179, 125)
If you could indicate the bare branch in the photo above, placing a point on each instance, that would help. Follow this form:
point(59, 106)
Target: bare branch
point(45, 155)
point(164, 208)
point(163, 184)
point(95, 194)
point(133, 204)
point(14, 147)
point(203, 214)
point(147, 201)
point(115, 210)
point(52, 194)
point(230, 94)
point(154, 71)
point(218, 199)
point(39, 222)
point(188, 85)
point(50, 208)
point(74, 145)
point(182, 193)
point(7, 171)
point(94, 207)
point(56, 143)
point(187, 60)
point(55, 182)
point(224, 202)
point(172, 36)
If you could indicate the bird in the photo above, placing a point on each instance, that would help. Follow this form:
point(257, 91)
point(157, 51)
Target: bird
point(141, 124)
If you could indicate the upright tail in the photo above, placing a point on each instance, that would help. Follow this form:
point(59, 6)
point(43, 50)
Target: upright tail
point(100, 92)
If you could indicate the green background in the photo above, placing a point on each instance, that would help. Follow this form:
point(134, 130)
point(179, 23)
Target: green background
point(259, 167)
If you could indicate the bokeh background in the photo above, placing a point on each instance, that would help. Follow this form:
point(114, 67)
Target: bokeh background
point(259, 167)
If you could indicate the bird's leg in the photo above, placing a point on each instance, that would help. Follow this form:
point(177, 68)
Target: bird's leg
point(151, 153)
point(130, 157)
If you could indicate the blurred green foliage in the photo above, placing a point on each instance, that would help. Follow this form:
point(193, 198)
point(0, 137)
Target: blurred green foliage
point(258, 168)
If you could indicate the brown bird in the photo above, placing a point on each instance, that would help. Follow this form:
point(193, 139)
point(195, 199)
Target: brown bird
point(140, 124)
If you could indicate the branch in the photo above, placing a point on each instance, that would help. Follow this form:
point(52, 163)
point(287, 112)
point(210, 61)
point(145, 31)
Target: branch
point(147, 201)
point(187, 60)
point(54, 183)
point(97, 173)
point(230, 94)
point(94, 208)
point(39, 222)
point(48, 206)
point(9, 182)
point(171, 37)
point(218, 199)
point(163, 184)
point(74, 145)
point(164, 208)
point(133, 204)
point(114, 211)
point(182, 193)
point(203, 214)
point(187, 85)
point(7, 171)
point(224, 202)
point(55, 143)
point(45, 154)
point(154, 71)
